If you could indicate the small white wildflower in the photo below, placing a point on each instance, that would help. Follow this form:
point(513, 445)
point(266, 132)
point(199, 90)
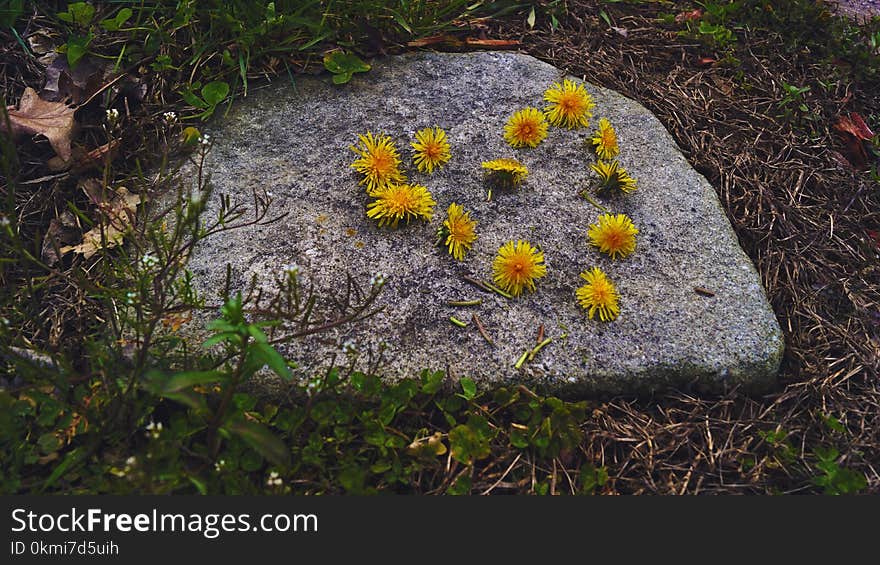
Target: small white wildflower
point(293, 271)
point(112, 116)
point(270, 194)
point(349, 347)
point(205, 139)
point(130, 462)
point(274, 480)
point(378, 279)
point(170, 117)
point(154, 429)
point(149, 260)
point(4, 222)
point(129, 297)
point(292, 268)
point(218, 465)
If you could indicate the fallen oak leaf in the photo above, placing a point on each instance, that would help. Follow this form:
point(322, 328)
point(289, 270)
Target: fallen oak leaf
point(52, 120)
point(116, 219)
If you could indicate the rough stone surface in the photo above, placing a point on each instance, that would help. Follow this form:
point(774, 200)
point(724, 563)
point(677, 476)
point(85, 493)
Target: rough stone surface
point(294, 141)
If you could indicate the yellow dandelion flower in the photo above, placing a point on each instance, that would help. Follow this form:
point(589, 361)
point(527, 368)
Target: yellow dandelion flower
point(431, 149)
point(570, 105)
point(378, 161)
point(604, 140)
point(517, 266)
point(614, 235)
point(457, 232)
point(613, 177)
point(505, 173)
point(526, 127)
point(598, 295)
point(400, 201)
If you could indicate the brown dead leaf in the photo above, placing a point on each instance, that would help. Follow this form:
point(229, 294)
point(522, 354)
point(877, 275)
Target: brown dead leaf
point(81, 160)
point(856, 137)
point(725, 86)
point(174, 321)
point(855, 125)
point(53, 120)
point(63, 230)
point(116, 218)
point(844, 162)
point(855, 152)
point(689, 16)
point(77, 84)
point(94, 189)
point(40, 43)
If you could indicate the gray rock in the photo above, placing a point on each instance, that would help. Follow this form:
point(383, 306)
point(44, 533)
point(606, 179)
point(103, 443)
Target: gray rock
point(294, 141)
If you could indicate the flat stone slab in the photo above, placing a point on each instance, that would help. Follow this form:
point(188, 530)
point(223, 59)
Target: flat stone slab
point(294, 142)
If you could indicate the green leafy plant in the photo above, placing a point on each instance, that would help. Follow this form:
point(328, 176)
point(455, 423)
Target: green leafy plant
point(793, 102)
point(834, 478)
point(80, 16)
point(720, 35)
point(247, 350)
point(212, 94)
point(115, 23)
point(592, 478)
point(783, 451)
point(344, 65)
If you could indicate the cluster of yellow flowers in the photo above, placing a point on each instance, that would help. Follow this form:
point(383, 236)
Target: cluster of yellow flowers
point(395, 199)
point(518, 265)
point(613, 234)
